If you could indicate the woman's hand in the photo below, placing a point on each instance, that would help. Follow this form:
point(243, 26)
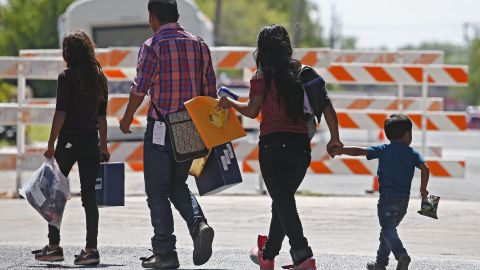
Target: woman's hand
point(224, 103)
point(332, 145)
point(104, 154)
point(50, 152)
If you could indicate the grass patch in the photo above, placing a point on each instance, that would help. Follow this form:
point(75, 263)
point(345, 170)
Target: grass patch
point(38, 133)
point(4, 143)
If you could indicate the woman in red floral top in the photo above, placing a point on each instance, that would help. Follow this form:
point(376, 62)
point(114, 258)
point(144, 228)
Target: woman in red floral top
point(284, 143)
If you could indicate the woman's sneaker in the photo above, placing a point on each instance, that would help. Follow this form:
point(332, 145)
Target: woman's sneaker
point(309, 264)
point(48, 254)
point(256, 254)
point(87, 258)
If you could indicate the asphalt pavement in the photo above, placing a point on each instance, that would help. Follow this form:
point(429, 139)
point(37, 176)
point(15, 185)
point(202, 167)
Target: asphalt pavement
point(342, 231)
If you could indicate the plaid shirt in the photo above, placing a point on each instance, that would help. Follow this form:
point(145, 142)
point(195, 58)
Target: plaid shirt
point(168, 69)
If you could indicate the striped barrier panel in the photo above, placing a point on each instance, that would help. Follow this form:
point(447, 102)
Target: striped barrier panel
point(439, 75)
point(117, 103)
point(385, 103)
point(373, 120)
point(131, 153)
point(242, 57)
point(349, 119)
point(358, 166)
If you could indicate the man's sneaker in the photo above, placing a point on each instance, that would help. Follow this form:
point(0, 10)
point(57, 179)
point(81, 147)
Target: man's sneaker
point(161, 261)
point(309, 264)
point(202, 243)
point(403, 262)
point(48, 254)
point(87, 258)
point(256, 254)
point(375, 266)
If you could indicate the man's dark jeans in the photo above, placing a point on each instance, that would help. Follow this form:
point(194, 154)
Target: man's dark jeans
point(84, 150)
point(284, 159)
point(165, 182)
point(391, 210)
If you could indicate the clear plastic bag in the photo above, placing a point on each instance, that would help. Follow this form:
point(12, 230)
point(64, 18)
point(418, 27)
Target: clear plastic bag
point(47, 190)
point(429, 206)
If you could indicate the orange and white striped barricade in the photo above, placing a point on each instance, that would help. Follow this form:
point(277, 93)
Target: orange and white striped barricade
point(373, 120)
point(387, 103)
point(8, 67)
point(385, 57)
point(359, 166)
point(242, 57)
point(107, 57)
point(438, 75)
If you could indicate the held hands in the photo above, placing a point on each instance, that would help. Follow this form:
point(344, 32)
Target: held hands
point(333, 147)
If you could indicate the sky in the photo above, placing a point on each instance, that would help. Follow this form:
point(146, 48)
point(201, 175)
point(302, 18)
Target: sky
point(394, 23)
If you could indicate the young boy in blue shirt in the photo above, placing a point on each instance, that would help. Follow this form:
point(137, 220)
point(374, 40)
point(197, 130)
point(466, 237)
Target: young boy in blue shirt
point(396, 166)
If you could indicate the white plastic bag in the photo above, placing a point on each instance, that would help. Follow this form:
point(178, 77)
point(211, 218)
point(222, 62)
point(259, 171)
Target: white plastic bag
point(47, 190)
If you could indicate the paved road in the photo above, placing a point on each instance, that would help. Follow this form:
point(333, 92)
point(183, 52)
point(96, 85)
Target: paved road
point(343, 232)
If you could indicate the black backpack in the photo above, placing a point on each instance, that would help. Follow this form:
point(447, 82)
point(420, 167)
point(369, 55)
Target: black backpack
point(314, 87)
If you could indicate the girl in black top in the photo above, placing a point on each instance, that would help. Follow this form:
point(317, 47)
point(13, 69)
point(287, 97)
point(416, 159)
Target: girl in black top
point(80, 117)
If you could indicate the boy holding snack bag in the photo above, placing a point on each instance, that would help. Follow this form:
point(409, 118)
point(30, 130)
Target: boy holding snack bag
point(396, 166)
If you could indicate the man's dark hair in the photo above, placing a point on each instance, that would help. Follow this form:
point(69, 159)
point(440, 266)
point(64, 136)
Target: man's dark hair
point(166, 11)
point(396, 126)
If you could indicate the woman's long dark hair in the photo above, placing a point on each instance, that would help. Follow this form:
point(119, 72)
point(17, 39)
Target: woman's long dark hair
point(274, 58)
point(79, 53)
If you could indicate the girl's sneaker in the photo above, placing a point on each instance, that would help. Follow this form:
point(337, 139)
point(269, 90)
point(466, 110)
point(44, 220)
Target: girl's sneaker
point(256, 254)
point(309, 264)
point(48, 254)
point(87, 258)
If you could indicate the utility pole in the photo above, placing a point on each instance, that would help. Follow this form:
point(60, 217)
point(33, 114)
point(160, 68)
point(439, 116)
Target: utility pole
point(298, 12)
point(335, 30)
point(217, 23)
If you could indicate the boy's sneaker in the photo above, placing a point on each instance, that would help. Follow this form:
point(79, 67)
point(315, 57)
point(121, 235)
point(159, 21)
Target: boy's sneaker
point(256, 254)
point(202, 243)
point(375, 266)
point(48, 254)
point(168, 260)
point(87, 258)
point(403, 262)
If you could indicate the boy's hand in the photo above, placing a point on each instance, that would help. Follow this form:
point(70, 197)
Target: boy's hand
point(424, 193)
point(335, 151)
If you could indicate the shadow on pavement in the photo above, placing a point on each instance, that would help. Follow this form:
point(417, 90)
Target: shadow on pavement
point(61, 266)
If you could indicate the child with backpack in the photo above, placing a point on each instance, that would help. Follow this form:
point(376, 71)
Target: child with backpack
point(396, 167)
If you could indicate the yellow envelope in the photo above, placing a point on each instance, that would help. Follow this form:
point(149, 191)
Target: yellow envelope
point(199, 109)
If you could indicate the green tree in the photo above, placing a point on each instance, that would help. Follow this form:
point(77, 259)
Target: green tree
point(30, 24)
point(241, 20)
point(7, 92)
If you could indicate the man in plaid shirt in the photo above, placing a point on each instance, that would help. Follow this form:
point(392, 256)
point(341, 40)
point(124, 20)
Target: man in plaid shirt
point(169, 71)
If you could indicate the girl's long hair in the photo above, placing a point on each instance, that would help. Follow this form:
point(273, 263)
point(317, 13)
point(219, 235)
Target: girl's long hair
point(79, 53)
point(274, 58)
